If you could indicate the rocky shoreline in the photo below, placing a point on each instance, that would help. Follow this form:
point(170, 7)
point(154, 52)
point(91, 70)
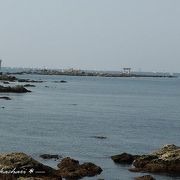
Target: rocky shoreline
point(19, 166)
point(165, 160)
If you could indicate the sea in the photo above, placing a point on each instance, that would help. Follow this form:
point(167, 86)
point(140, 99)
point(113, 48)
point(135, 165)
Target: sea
point(136, 115)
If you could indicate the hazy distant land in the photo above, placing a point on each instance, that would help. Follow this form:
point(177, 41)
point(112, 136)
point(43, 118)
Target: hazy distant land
point(77, 72)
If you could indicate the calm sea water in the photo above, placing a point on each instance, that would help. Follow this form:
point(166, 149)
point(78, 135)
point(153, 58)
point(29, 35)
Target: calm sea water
point(137, 115)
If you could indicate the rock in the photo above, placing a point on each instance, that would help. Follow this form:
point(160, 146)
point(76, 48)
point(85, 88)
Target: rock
point(15, 89)
point(124, 158)
point(6, 82)
point(29, 81)
point(29, 85)
point(22, 165)
point(62, 81)
point(5, 98)
point(146, 177)
point(50, 156)
point(39, 178)
point(7, 177)
point(70, 168)
point(7, 78)
point(99, 137)
point(164, 160)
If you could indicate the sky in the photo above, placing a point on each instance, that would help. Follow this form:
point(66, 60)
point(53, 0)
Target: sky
point(91, 34)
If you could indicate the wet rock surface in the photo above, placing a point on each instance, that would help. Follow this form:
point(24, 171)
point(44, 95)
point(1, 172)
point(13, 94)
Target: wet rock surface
point(16, 165)
point(71, 169)
point(164, 160)
point(124, 158)
point(6, 82)
point(30, 81)
point(19, 166)
point(15, 89)
point(7, 78)
point(5, 98)
point(99, 137)
point(62, 81)
point(146, 177)
point(29, 85)
point(50, 156)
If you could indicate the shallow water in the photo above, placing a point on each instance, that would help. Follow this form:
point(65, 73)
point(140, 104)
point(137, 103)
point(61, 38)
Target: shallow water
point(137, 115)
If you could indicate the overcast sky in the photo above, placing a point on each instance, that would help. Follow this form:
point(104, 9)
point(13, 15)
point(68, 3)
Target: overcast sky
point(91, 34)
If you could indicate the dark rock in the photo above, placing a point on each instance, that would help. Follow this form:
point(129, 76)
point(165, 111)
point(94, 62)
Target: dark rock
point(15, 89)
point(6, 82)
point(70, 168)
point(62, 81)
point(124, 158)
point(7, 177)
point(26, 166)
point(146, 177)
point(7, 78)
point(165, 160)
point(99, 137)
point(50, 156)
point(29, 81)
point(29, 85)
point(73, 104)
point(5, 98)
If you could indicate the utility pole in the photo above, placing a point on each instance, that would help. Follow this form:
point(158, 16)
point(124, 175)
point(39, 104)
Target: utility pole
point(0, 63)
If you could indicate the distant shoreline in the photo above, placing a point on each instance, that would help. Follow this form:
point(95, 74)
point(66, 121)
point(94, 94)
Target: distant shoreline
point(92, 73)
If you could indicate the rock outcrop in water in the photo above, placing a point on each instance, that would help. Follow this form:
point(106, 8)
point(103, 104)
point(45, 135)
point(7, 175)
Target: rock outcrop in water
point(124, 158)
point(29, 85)
point(29, 81)
point(146, 177)
point(71, 169)
point(5, 98)
point(164, 160)
point(19, 166)
point(50, 156)
point(62, 81)
point(15, 89)
point(16, 165)
point(7, 78)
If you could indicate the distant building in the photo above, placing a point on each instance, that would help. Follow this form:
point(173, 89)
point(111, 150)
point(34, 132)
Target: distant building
point(127, 71)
